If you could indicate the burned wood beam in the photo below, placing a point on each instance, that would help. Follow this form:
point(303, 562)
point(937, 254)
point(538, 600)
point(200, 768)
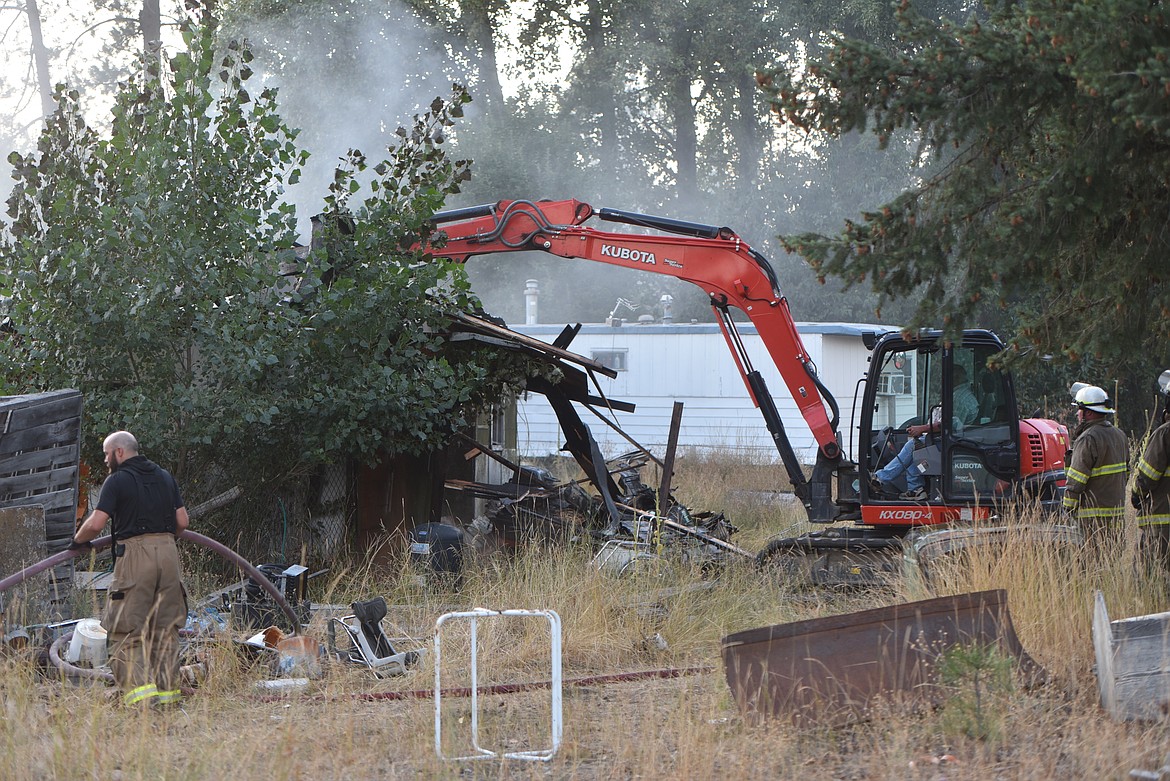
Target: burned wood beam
point(496, 491)
point(583, 447)
point(566, 336)
point(611, 405)
point(668, 465)
point(491, 329)
point(617, 429)
point(489, 452)
point(576, 391)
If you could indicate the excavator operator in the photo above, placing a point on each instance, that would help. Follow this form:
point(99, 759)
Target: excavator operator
point(966, 411)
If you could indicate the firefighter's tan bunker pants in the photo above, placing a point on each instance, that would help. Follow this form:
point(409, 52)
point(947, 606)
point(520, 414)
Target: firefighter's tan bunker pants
point(145, 610)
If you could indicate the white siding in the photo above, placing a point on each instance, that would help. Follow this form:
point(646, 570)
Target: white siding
point(692, 364)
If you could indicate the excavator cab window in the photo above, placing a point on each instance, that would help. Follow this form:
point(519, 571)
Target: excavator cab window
point(974, 447)
point(909, 388)
point(981, 451)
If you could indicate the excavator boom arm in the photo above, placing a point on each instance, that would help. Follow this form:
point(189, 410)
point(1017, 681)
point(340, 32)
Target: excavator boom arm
point(715, 259)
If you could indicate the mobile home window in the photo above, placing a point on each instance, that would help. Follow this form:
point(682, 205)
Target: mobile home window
point(611, 359)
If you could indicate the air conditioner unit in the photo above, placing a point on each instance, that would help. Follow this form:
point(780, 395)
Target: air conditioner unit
point(892, 384)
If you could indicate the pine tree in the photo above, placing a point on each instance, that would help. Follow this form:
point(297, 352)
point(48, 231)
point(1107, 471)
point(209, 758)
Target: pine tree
point(1043, 174)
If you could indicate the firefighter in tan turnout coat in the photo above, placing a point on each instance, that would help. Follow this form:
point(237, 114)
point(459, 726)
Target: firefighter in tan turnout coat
point(1151, 488)
point(1095, 490)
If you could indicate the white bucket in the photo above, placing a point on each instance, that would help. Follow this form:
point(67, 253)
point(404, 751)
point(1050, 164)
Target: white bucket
point(88, 643)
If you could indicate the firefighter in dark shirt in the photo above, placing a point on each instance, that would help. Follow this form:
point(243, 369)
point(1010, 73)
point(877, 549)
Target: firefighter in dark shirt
point(146, 605)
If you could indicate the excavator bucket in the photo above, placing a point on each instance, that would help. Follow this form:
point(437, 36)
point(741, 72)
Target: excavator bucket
point(831, 671)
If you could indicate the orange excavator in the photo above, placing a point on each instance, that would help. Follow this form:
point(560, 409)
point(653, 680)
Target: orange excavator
point(980, 455)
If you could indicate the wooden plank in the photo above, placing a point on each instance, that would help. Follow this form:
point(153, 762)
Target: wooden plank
point(39, 437)
point(668, 464)
point(490, 328)
point(54, 500)
point(17, 486)
point(61, 432)
point(60, 510)
point(487, 451)
point(60, 530)
point(48, 399)
point(20, 413)
point(32, 460)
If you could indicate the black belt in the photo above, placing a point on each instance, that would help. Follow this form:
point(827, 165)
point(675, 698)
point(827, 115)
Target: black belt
point(139, 532)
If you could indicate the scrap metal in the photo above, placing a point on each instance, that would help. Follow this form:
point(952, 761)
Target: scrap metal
point(831, 671)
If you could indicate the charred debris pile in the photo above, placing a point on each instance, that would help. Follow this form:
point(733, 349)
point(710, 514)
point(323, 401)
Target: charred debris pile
point(535, 507)
point(611, 504)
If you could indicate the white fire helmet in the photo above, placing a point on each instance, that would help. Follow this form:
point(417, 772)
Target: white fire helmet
point(1092, 398)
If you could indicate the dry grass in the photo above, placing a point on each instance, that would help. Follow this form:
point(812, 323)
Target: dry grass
point(688, 727)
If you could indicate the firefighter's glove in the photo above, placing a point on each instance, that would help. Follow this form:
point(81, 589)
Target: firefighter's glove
point(80, 547)
point(1136, 501)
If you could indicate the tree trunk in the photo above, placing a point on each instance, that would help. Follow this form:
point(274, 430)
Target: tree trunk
point(40, 57)
point(482, 43)
point(682, 108)
point(150, 20)
point(745, 131)
point(599, 90)
point(686, 145)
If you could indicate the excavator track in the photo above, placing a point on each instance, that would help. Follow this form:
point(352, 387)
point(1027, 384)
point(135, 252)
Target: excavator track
point(841, 557)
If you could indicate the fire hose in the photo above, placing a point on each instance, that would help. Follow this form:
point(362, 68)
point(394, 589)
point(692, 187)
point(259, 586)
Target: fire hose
point(104, 542)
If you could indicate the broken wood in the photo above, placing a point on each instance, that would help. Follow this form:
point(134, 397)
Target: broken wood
point(487, 451)
point(216, 502)
point(617, 430)
point(668, 464)
point(684, 529)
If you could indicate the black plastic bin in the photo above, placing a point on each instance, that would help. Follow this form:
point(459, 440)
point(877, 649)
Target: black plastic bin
point(437, 550)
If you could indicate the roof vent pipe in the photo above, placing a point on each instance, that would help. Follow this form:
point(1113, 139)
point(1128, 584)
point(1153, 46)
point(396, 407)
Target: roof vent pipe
point(531, 294)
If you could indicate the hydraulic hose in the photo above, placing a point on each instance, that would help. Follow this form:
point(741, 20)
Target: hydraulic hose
point(206, 542)
point(72, 670)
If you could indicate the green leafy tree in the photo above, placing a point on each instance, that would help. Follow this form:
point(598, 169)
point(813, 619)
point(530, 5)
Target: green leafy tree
point(376, 353)
point(133, 255)
point(1043, 171)
point(145, 267)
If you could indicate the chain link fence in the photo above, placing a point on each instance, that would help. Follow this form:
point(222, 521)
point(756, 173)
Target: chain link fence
point(305, 518)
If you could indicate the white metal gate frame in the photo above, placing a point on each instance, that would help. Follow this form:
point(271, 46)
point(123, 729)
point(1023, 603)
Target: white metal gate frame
point(557, 727)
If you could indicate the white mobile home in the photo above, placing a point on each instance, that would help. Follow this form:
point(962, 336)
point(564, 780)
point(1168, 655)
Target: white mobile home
point(659, 364)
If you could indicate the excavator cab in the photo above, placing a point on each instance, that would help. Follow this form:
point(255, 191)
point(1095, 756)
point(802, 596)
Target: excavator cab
point(972, 456)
